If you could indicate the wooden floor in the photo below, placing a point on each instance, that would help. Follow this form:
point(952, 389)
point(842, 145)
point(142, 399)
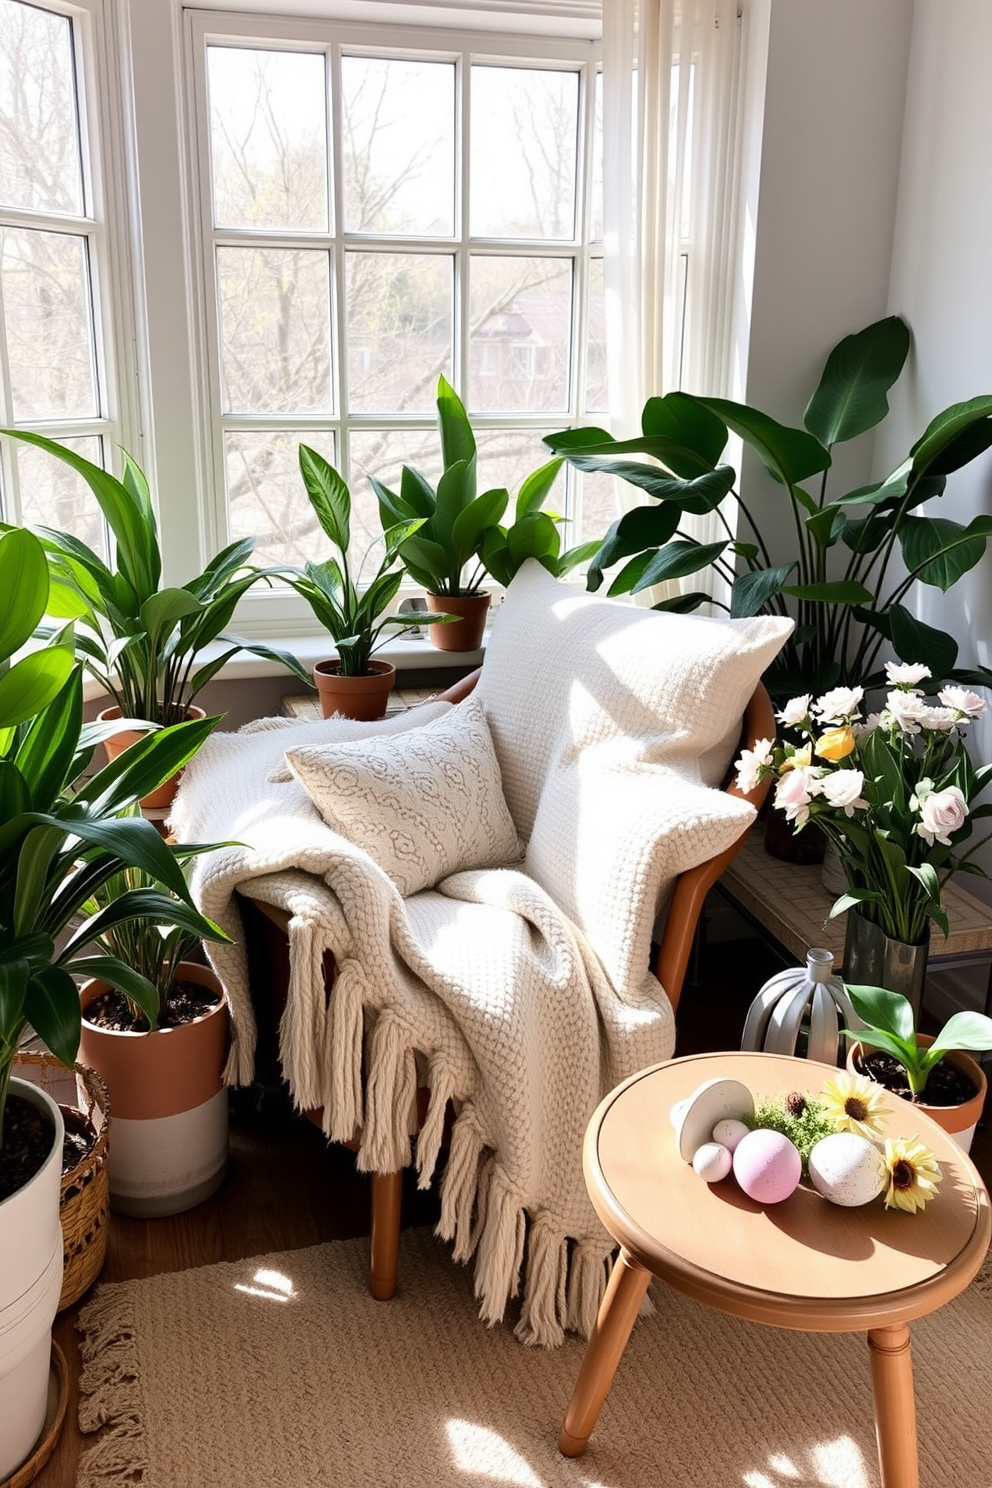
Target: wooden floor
point(286, 1188)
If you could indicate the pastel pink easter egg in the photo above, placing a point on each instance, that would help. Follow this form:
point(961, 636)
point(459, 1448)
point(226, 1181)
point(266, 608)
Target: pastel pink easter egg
point(767, 1166)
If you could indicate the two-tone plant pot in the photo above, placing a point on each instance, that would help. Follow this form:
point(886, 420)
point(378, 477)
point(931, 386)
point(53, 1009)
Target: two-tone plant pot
point(464, 634)
point(364, 697)
point(169, 1121)
point(958, 1121)
point(30, 1283)
point(116, 744)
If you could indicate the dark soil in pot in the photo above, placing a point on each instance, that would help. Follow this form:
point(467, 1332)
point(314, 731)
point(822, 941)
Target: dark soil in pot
point(947, 1084)
point(27, 1141)
point(187, 1001)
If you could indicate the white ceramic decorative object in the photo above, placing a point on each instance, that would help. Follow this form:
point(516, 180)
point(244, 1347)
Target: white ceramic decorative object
point(847, 1169)
point(709, 1103)
point(802, 1011)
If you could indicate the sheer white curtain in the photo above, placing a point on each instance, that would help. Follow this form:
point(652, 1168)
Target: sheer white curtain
point(670, 129)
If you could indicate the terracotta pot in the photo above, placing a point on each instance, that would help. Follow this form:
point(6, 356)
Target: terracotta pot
point(168, 1127)
point(458, 635)
point(117, 743)
point(30, 1282)
point(958, 1121)
point(362, 697)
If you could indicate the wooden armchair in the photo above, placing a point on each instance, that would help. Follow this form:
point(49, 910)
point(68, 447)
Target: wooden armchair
point(267, 945)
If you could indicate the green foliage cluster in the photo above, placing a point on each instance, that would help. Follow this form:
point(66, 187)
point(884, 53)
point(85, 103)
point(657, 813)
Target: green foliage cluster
point(797, 1116)
point(841, 583)
point(890, 1026)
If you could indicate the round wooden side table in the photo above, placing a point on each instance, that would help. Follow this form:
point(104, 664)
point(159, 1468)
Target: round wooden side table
point(804, 1264)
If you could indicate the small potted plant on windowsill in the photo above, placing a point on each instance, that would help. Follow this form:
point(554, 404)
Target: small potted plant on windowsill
point(142, 641)
point(352, 683)
point(934, 1073)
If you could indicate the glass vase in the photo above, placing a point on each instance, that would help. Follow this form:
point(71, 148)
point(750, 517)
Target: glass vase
point(874, 959)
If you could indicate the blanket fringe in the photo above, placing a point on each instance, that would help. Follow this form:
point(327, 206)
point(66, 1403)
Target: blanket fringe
point(342, 1053)
point(500, 1247)
point(588, 1273)
point(442, 1088)
point(543, 1311)
point(110, 1394)
point(461, 1183)
point(390, 1098)
point(303, 1024)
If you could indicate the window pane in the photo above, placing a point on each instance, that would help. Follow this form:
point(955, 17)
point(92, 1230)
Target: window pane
point(596, 392)
point(599, 507)
point(521, 312)
point(53, 495)
point(275, 329)
point(524, 127)
point(383, 453)
point(596, 187)
point(39, 141)
point(268, 138)
point(46, 301)
point(266, 495)
point(398, 145)
point(399, 329)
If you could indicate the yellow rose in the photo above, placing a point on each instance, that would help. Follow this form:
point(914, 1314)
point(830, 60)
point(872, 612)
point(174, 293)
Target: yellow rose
point(835, 744)
point(799, 760)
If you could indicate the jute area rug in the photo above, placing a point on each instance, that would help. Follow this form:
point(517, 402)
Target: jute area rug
point(282, 1372)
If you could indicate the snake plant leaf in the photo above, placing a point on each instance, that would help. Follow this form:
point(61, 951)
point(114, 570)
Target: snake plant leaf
point(852, 394)
point(750, 591)
point(457, 439)
point(790, 455)
point(51, 1005)
point(329, 496)
point(938, 551)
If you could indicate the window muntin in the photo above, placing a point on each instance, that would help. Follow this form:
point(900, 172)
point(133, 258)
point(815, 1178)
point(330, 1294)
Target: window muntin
point(415, 287)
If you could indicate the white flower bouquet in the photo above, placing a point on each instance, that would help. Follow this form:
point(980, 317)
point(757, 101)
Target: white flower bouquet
point(893, 791)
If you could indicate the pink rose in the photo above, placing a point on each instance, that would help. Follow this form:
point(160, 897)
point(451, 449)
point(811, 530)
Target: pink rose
point(794, 792)
point(941, 813)
point(962, 700)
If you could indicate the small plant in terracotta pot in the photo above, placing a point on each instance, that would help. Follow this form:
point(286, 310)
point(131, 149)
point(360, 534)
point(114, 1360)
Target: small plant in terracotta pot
point(356, 619)
point(933, 1072)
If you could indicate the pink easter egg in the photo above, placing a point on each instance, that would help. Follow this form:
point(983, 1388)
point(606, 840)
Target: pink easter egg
point(767, 1166)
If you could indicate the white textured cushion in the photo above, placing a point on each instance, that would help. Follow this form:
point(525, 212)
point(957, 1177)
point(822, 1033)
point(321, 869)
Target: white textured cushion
point(423, 804)
point(613, 726)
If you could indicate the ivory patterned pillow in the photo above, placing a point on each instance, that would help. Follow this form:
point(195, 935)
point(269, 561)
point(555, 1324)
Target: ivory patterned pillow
point(423, 804)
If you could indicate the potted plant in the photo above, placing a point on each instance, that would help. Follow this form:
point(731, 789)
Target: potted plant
point(932, 1072)
point(846, 594)
point(164, 1072)
point(356, 619)
point(145, 643)
point(60, 839)
point(895, 793)
point(451, 524)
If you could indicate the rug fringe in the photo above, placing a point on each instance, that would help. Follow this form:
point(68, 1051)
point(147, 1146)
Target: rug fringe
point(110, 1393)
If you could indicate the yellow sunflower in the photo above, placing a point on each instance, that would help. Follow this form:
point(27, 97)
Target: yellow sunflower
point(913, 1174)
point(854, 1103)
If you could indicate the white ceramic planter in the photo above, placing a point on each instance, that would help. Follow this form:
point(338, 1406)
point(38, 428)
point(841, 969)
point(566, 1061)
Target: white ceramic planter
point(30, 1283)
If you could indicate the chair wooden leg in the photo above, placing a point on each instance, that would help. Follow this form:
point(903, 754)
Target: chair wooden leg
point(895, 1406)
point(617, 1315)
point(387, 1193)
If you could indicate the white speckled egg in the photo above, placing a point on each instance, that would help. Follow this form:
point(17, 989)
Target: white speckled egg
point(712, 1162)
point(767, 1166)
point(847, 1169)
point(729, 1133)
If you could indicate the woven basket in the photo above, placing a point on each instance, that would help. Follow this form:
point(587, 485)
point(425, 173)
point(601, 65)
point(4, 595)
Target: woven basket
point(84, 1203)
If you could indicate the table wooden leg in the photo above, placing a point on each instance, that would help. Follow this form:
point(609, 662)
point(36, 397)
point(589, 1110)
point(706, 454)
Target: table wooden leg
point(387, 1195)
point(895, 1406)
point(628, 1283)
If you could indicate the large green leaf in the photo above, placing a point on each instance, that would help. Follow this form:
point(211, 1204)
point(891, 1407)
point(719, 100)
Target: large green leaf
point(455, 493)
point(137, 988)
point(938, 552)
point(457, 439)
point(469, 525)
point(535, 488)
point(23, 588)
point(641, 527)
point(950, 440)
point(676, 560)
point(851, 396)
point(32, 683)
point(145, 765)
point(913, 641)
point(791, 455)
point(51, 1003)
point(329, 496)
point(833, 591)
point(752, 591)
point(687, 425)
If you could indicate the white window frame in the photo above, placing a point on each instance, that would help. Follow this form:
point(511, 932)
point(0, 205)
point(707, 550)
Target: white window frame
point(278, 612)
point(104, 225)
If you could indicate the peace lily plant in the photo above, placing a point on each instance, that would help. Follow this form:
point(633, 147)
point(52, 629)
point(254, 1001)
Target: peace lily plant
point(842, 583)
point(890, 1026)
point(893, 791)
